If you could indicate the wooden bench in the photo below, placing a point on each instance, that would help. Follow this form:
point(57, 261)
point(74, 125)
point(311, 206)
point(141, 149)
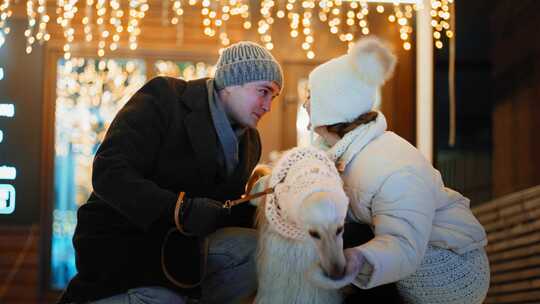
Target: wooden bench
point(19, 268)
point(512, 224)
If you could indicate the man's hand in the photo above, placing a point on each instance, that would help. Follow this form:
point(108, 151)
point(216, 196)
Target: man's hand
point(202, 216)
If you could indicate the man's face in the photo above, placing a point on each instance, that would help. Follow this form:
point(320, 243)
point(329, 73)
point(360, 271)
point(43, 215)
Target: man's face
point(246, 104)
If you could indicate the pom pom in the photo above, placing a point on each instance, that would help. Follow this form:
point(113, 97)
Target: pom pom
point(374, 61)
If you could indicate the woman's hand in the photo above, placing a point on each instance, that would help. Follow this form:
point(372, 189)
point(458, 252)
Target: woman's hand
point(354, 260)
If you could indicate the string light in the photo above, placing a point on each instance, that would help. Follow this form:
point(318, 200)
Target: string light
point(103, 20)
point(178, 11)
point(440, 21)
point(66, 10)
point(5, 13)
point(307, 15)
point(264, 24)
point(87, 21)
point(403, 19)
point(36, 30)
point(362, 20)
point(31, 15)
point(137, 11)
point(101, 10)
point(116, 22)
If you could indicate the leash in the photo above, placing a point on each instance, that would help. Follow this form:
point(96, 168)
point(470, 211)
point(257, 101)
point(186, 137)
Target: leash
point(205, 243)
point(245, 198)
point(257, 174)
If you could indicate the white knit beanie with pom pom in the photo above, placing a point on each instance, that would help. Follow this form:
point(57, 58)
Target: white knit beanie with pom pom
point(346, 87)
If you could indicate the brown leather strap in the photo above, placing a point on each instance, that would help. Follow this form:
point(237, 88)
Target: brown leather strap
point(204, 256)
point(246, 198)
point(177, 215)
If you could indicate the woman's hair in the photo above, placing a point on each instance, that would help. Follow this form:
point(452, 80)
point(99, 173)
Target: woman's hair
point(343, 128)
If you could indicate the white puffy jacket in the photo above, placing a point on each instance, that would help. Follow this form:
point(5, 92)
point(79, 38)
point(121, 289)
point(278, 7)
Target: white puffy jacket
point(395, 189)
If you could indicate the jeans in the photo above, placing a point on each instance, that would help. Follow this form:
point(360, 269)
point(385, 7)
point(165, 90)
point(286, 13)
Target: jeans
point(230, 274)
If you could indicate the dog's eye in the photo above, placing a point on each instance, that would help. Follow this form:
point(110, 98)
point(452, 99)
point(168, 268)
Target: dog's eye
point(339, 230)
point(314, 234)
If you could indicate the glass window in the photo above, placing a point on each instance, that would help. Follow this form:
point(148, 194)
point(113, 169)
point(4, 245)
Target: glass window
point(89, 93)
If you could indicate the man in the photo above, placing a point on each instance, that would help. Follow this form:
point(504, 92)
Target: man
point(154, 229)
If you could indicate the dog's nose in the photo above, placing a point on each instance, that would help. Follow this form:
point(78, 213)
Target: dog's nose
point(336, 272)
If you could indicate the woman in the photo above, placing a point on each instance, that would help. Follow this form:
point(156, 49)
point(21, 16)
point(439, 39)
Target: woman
point(426, 238)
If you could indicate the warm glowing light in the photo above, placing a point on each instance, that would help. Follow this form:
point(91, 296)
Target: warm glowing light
point(407, 46)
point(344, 18)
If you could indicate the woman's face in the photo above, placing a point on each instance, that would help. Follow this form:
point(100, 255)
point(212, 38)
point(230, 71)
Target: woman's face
point(306, 106)
point(322, 131)
point(330, 138)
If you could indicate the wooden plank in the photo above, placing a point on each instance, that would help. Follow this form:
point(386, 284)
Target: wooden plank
point(25, 276)
point(504, 223)
point(507, 200)
point(517, 208)
point(516, 253)
point(7, 259)
point(527, 297)
point(515, 264)
point(21, 294)
point(514, 243)
point(513, 287)
point(515, 275)
point(514, 232)
point(531, 203)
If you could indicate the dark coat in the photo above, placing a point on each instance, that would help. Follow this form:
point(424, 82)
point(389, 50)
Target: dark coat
point(161, 142)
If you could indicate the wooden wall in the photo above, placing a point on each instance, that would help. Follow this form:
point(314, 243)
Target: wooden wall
point(516, 61)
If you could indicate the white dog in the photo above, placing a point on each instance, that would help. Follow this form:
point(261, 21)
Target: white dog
point(300, 253)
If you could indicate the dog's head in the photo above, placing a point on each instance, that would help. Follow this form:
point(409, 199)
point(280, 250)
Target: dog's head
point(310, 205)
point(322, 217)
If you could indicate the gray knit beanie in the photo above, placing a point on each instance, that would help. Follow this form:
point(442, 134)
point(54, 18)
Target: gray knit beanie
point(245, 62)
